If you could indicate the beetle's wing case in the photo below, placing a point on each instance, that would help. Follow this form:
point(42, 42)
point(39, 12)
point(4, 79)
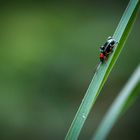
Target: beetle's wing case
point(106, 44)
point(110, 43)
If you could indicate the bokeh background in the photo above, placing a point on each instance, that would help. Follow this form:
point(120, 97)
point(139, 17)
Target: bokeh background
point(48, 54)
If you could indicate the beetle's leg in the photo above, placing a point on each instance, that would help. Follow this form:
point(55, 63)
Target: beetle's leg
point(109, 52)
point(116, 42)
point(111, 49)
point(105, 59)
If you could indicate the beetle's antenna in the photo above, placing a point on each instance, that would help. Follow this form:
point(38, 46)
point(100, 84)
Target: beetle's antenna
point(97, 66)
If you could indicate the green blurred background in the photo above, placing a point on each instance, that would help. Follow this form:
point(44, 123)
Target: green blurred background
point(48, 54)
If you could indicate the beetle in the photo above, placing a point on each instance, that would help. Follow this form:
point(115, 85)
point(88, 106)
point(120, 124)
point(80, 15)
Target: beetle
point(107, 48)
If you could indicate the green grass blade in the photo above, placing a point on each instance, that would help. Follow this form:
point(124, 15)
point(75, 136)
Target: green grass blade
point(101, 75)
point(125, 98)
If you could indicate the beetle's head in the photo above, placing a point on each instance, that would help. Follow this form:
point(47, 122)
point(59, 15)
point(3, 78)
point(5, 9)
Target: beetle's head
point(102, 57)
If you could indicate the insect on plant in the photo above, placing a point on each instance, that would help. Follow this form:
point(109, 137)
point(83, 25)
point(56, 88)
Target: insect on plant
point(106, 49)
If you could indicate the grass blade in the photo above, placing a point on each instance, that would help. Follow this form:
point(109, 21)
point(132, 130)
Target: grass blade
point(101, 75)
point(125, 98)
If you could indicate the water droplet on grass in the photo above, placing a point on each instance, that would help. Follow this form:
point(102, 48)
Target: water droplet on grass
point(84, 116)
